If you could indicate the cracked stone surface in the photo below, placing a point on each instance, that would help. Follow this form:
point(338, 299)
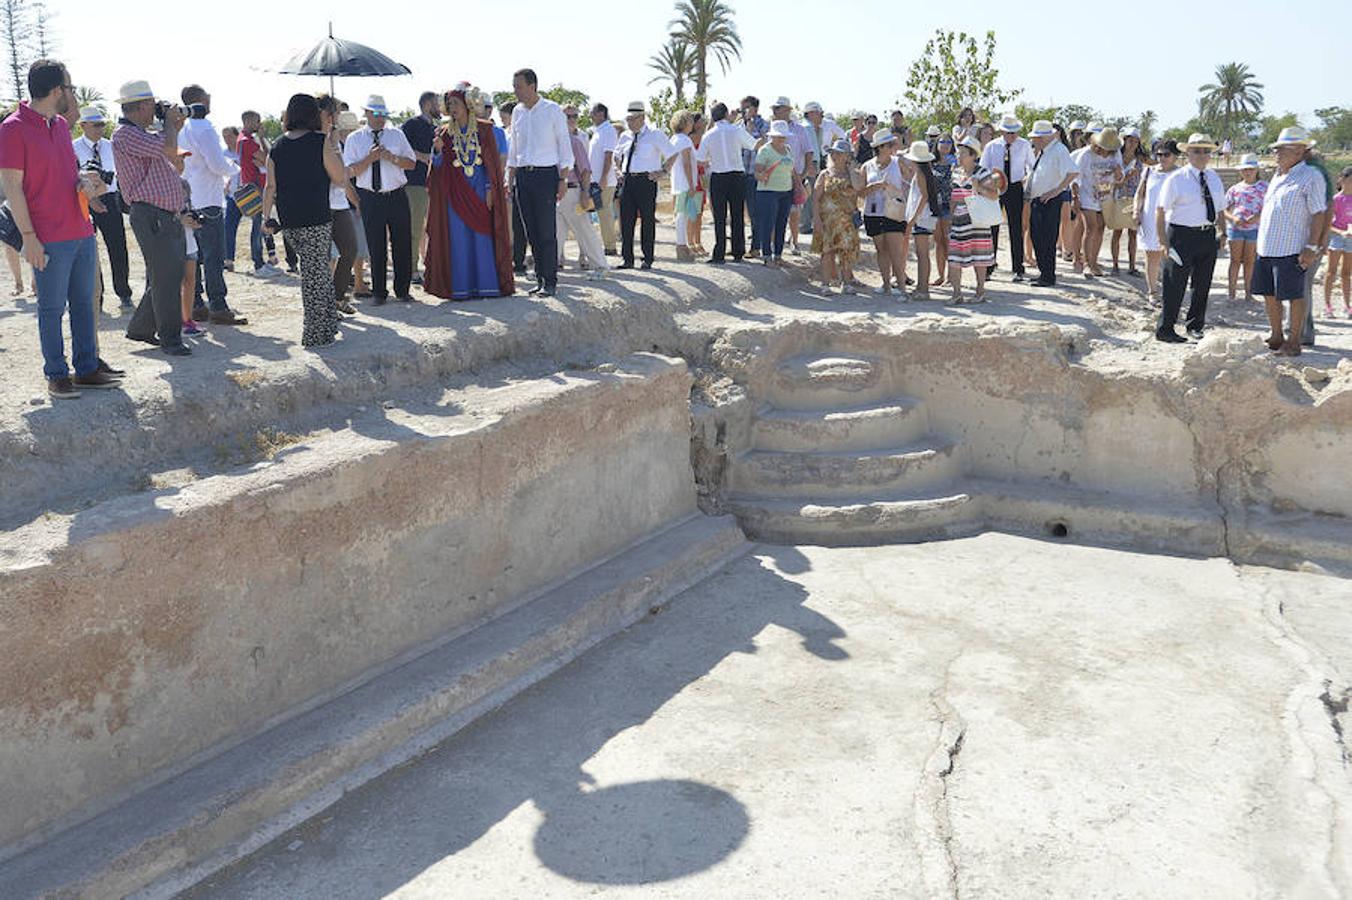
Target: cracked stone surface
point(986, 717)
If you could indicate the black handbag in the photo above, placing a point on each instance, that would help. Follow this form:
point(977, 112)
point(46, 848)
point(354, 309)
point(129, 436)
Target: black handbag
point(9, 229)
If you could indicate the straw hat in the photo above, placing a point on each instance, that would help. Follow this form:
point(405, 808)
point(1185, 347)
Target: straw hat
point(1011, 124)
point(933, 131)
point(919, 152)
point(1131, 131)
point(92, 115)
point(883, 136)
point(347, 121)
point(135, 92)
point(780, 128)
point(1249, 161)
point(376, 104)
point(1198, 140)
point(782, 102)
point(1291, 136)
point(636, 108)
point(1077, 125)
point(1108, 139)
point(811, 107)
point(841, 146)
point(1042, 128)
point(972, 144)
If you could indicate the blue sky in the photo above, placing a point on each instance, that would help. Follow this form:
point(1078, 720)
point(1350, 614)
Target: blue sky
point(1121, 58)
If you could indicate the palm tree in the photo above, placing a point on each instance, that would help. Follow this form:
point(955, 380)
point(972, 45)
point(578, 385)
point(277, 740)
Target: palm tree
point(707, 26)
point(88, 96)
point(1234, 92)
point(674, 63)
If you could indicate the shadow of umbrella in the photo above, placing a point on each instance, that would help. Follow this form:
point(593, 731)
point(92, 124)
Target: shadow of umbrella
point(338, 58)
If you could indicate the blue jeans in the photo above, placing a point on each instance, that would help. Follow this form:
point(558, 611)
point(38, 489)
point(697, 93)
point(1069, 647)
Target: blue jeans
point(67, 281)
point(772, 218)
point(232, 217)
point(751, 210)
point(211, 257)
point(256, 241)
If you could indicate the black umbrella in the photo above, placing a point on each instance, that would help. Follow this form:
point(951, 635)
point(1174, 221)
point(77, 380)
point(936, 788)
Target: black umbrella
point(337, 57)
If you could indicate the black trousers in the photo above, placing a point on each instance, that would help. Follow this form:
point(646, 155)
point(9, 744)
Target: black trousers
point(1044, 225)
point(1197, 248)
point(727, 193)
point(518, 237)
point(638, 201)
point(114, 233)
point(345, 239)
point(537, 193)
point(387, 221)
point(1012, 201)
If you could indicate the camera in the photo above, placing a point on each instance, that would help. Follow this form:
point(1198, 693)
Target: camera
point(162, 108)
point(93, 166)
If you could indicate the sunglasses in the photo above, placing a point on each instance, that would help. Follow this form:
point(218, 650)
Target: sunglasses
point(572, 115)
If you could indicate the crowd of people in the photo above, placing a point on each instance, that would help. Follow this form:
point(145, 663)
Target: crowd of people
point(452, 201)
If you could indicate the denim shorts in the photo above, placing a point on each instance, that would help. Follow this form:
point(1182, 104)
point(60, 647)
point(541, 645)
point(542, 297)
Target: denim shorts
point(1241, 234)
point(1280, 277)
point(1340, 244)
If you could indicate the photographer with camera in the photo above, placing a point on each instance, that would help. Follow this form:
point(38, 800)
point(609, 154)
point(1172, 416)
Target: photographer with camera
point(94, 152)
point(149, 181)
point(207, 172)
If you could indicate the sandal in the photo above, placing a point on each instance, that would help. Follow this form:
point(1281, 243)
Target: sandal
point(1290, 348)
point(1274, 343)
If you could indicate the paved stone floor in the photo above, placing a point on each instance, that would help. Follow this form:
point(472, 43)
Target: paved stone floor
point(988, 717)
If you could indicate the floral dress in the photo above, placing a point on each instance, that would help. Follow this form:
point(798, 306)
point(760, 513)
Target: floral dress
point(838, 234)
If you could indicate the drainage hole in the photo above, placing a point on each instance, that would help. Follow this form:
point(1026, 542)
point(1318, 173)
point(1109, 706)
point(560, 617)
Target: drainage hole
point(1058, 529)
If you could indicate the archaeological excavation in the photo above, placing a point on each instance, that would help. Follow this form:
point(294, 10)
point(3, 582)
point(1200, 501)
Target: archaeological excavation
point(698, 581)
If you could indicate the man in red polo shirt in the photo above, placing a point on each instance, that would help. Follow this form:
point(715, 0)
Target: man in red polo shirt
point(43, 183)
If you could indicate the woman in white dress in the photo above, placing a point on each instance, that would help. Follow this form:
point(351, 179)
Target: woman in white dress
point(1143, 212)
point(1100, 173)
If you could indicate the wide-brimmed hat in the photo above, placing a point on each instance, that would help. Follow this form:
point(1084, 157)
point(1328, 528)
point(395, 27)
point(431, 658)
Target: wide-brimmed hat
point(1042, 128)
point(1011, 123)
point(779, 128)
point(782, 102)
point(1108, 139)
point(376, 104)
point(1077, 125)
point(933, 131)
point(1198, 140)
point(883, 136)
point(636, 108)
point(346, 120)
point(841, 146)
point(919, 152)
point(1094, 127)
point(1248, 161)
point(971, 143)
point(1292, 135)
point(812, 106)
point(92, 115)
point(135, 92)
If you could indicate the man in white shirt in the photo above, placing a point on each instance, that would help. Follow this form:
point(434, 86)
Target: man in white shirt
point(1189, 217)
point(379, 158)
point(93, 149)
point(1011, 156)
point(538, 162)
point(601, 154)
point(640, 153)
point(1050, 172)
point(207, 172)
point(821, 133)
point(800, 147)
point(723, 145)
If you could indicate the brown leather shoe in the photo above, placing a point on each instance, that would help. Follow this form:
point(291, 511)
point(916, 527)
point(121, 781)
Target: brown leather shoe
point(61, 389)
point(96, 380)
point(227, 317)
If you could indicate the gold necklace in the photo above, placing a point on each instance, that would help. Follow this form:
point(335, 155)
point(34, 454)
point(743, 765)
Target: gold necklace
point(466, 146)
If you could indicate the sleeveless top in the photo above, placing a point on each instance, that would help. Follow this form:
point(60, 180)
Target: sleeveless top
point(302, 181)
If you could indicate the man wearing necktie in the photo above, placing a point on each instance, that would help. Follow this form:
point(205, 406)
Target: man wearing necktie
point(1188, 217)
point(379, 158)
point(1011, 155)
point(822, 133)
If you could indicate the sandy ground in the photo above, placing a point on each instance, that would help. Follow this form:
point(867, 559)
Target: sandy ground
point(1054, 721)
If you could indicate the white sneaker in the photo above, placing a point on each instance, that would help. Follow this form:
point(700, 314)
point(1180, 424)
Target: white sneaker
point(267, 270)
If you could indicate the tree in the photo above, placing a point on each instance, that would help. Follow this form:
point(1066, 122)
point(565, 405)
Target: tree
point(565, 96)
point(953, 71)
point(1233, 94)
point(1336, 130)
point(88, 96)
point(1271, 126)
point(706, 26)
point(662, 105)
point(1077, 112)
point(674, 63)
point(1146, 123)
point(43, 38)
point(502, 98)
point(271, 128)
point(17, 34)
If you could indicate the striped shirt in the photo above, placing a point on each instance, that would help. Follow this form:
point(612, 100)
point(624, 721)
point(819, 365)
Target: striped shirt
point(144, 174)
point(1291, 199)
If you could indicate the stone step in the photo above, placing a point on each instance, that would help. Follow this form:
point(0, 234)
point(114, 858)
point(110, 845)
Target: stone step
point(894, 422)
point(848, 524)
point(814, 381)
point(772, 473)
point(172, 835)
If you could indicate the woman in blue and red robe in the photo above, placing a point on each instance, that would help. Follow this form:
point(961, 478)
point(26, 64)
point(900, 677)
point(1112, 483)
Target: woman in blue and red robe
point(469, 240)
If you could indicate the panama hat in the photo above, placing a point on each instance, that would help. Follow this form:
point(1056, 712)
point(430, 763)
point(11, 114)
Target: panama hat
point(972, 144)
point(135, 92)
point(1077, 125)
point(1199, 141)
point(812, 106)
point(841, 146)
point(1108, 139)
point(933, 131)
point(1011, 123)
point(883, 136)
point(1249, 161)
point(919, 152)
point(782, 102)
point(376, 104)
point(780, 128)
point(347, 121)
point(1094, 127)
point(1131, 131)
point(1292, 135)
point(1042, 128)
point(92, 115)
point(636, 108)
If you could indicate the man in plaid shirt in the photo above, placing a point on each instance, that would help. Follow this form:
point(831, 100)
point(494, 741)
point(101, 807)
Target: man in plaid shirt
point(148, 174)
